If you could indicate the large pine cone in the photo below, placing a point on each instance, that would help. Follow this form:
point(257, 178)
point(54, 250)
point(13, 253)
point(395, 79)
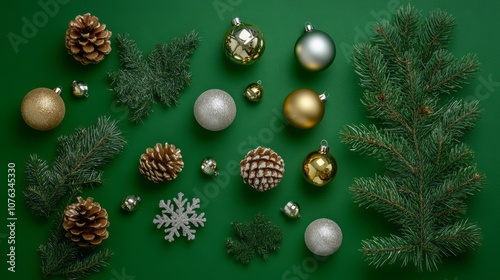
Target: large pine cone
point(262, 168)
point(87, 39)
point(86, 222)
point(161, 163)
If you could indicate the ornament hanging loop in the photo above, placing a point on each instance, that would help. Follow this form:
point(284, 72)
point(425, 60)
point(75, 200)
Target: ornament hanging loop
point(308, 27)
point(323, 147)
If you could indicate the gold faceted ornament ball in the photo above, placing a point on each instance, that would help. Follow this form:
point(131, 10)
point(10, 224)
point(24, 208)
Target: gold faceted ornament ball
point(319, 167)
point(43, 108)
point(304, 108)
point(254, 91)
point(244, 43)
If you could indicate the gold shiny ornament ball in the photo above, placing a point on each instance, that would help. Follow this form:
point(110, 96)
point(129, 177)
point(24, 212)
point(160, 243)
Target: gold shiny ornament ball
point(291, 209)
point(304, 108)
point(130, 203)
point(244, 43)
point(43, 108)
point(209, 166)
point(254, 91)
point(319, 167)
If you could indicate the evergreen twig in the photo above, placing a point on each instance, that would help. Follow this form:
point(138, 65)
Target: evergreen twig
point(80, 157)
point(161, 77)
point(404, 72)
point(260, 237)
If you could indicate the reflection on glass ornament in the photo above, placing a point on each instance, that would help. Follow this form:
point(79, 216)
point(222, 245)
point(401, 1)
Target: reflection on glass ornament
point(243, 43)
point(319, 167)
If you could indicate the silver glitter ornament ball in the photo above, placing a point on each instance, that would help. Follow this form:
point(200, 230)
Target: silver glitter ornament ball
point(315, 50)
point(130, 203)
point(214, 109)
point(323, 237)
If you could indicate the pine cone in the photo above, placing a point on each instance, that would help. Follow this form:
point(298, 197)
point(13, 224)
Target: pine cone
point(262, 168)
point(87, 39)
point(86, 222)
point(161, 163)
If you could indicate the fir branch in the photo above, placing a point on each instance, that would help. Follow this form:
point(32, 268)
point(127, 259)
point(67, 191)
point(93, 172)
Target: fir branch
point(404, 71)
point(139, 83)
point(260, 237)
point(80, 156)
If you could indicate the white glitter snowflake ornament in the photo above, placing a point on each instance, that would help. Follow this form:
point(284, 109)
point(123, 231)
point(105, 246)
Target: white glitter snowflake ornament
point(181, 218)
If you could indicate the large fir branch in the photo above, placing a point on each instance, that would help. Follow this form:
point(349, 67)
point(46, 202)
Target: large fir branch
point(418, 138)
point(80, 156)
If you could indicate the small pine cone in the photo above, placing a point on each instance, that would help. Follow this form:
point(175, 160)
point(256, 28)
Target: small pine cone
point(262, 168)
point(161, 163)
point(87, 40)
point(86, 222)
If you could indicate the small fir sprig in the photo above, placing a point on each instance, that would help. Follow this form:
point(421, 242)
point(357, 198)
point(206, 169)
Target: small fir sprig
point(139, 83)
point(61, 257)
point(80, 158)
point(404, 72)
point(260, 237)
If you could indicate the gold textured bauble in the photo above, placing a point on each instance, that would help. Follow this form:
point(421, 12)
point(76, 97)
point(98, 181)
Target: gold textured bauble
point(304, 108)
point(319, 167)
point(43, 108)
point(254, 91)
point(244, 43)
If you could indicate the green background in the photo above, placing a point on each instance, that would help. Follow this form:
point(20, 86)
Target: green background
point(140, 252)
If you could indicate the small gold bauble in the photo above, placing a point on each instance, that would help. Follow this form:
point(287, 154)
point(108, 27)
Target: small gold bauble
point(43, 108)
point(304, 108)
point(319, 167)
point(254, 91)
point(244, 43)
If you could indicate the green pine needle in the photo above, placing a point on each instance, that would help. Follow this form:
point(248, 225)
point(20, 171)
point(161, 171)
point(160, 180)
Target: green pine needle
point(139, 83)
point(80, 156)
point(260, 237)
point(404, 71)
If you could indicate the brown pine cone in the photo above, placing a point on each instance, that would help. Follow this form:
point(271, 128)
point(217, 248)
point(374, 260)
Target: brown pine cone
point(161, 163)
point(262, 168)
point(86, 222)
point(87, 40)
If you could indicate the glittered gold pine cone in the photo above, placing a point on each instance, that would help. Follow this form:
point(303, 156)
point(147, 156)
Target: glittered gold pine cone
point(86, 222)
point(161, 163)
point(88, 40)
point(262, 168)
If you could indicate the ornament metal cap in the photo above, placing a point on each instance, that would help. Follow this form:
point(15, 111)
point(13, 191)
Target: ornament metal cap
point(323, 147)
point(308, 27)
point(58, 90)
point(236, 21)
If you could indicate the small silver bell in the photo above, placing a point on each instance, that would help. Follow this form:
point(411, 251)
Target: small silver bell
point(80, 89)
point(291, 209)
point(130, 203)
point(209, 166)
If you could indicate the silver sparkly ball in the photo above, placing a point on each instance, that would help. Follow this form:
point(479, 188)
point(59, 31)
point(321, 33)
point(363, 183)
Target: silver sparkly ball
point(214, 109)
point(323, 237)
point(291, 209)
point(209, 166)
point(130, 203)
point(80, 89)
point(315, 50)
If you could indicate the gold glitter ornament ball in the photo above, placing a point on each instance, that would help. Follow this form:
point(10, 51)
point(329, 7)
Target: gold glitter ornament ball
point(43, 108)
point(304, 108)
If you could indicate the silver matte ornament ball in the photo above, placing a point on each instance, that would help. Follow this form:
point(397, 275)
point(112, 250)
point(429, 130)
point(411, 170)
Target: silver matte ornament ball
point(323, 237)
point(130, 203)
point(214, 109)
point(315, 50)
